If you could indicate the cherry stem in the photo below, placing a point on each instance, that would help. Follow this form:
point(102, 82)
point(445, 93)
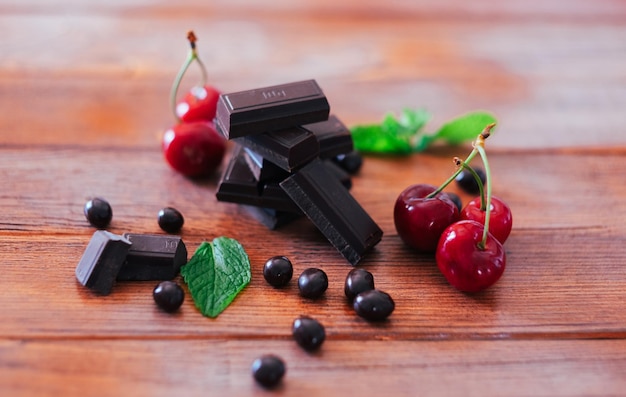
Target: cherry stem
point(480, 141)
point(453, 176)
point(479, 182)
point(483, 155)
point(191, 57)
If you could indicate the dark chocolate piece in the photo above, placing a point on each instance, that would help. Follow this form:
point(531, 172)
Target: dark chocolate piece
point(238, 185)
point(272, 108)
point(331, 208)
point(289, 148)
point(271, 218)
point(153, 257)
point(339, 173)
point(262, 169)
point(101, 262)
point(333, 136)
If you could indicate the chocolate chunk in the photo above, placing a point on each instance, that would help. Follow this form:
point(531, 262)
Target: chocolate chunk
point(271, 218)
point(289, 148)
point(102, 260)
point(262, 169)
point(153, 257)
point(344, 178)
point(333, 136)
point(272, 108)
point(238, 185)
point(331, 208)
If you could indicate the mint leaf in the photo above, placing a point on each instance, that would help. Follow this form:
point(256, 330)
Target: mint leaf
point(404, 135)
point(393, 135)
point(465, 127)
point(215, 274)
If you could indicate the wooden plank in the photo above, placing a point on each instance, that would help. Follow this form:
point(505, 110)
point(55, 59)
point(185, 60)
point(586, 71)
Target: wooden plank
point(84, 88)
point(198, 367)
point(541, 78)
point(563, 204)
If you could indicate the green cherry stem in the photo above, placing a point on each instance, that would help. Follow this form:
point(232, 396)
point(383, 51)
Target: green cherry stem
point(191, 57)
point(483, 155)
point(480, 141)
point(479, 182)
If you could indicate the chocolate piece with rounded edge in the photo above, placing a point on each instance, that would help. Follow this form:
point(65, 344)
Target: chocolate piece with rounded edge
point(339, 173)
point(102, 260)
point(262, 169)
point(288, 148)
point(153, 257)
point(331, 208)
point(333, 137)
point(271, 108)
point(238, 185)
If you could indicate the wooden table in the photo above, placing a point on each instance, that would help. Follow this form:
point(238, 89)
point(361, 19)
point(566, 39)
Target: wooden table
point(84, 97)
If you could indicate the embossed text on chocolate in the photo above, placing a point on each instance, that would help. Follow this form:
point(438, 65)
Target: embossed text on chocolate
point(271, 94)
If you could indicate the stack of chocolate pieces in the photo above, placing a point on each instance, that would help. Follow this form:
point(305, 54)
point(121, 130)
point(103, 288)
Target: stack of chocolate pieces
point(281, 166)
point(129, 257)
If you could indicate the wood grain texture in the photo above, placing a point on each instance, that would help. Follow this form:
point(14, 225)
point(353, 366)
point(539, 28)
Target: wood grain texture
point(200, 367)
point(544, 78)
point(548, 279)
point(84, 96)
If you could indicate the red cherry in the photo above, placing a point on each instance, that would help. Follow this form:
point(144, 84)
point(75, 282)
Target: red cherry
point(420, 220)
point(500, 219)
point(199, 104)
point(194, 149)
point(464, 264)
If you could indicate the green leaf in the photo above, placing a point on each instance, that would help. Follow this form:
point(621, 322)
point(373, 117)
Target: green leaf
point(216, 273)
point(393, 135)
point(422, 142)
point(465, 127)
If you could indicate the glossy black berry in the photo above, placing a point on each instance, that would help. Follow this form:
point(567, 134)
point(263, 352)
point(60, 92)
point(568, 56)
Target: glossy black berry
point(268, 370)
point(312, 283)
point(373, 305)
point(98, 212)
point(170, 220)
point(351, 162)
point(357, 281)
point(169, 296)
point(308, 333)
point(466, 181)
point(455, 199)
point(278, 271)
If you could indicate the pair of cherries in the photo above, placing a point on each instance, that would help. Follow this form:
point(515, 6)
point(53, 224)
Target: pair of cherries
point(193, 147)
point(467, 243)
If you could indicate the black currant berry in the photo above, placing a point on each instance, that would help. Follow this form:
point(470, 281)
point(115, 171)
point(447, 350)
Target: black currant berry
point(312, 283)
point(308, 333)
point(350, 162)
point(169, 296)
point(268, 370)
point(466, 181)
point(170, 220)
point(357, 281)
point(373, 305)
point(455, 199)
point(98, 212)
point(278, 271)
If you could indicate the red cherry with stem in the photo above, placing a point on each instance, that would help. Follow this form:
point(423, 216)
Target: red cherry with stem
point(470, 257)
point(194, 149)
point(469, 262)
point(199, 104)
point(420, 219)
point(501, 221)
